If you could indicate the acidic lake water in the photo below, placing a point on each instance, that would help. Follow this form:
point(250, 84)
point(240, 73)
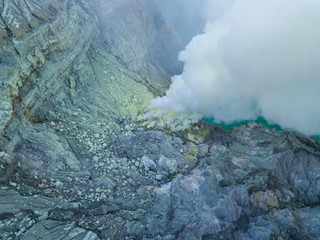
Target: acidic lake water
point(260, 120)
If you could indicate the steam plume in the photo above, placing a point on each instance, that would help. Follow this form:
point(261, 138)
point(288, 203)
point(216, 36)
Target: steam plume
point(255, 58)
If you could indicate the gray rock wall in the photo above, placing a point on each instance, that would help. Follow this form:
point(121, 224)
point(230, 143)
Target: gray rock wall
point(150, 48)
point(47, 44)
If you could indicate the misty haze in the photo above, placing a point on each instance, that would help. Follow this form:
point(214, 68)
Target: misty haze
point(159, 120)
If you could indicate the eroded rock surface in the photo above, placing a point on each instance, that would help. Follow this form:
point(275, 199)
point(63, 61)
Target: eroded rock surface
point(75, 163)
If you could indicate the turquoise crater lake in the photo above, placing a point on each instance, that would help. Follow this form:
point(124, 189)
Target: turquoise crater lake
point(260, 120)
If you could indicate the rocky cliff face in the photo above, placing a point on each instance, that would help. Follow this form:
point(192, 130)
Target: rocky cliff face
point(75, 164)
point(57, 52)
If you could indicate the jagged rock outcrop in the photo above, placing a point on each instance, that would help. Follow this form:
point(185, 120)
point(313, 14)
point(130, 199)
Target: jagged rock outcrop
point(252, 183)
point(75, 163)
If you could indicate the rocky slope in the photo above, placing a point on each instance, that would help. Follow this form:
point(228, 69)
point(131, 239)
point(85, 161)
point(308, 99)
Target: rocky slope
point(75, 163)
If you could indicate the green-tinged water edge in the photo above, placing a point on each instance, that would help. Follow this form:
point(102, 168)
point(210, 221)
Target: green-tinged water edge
point(259, 120)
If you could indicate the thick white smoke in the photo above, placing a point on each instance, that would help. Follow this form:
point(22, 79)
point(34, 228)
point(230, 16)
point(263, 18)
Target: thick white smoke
point(255, 58)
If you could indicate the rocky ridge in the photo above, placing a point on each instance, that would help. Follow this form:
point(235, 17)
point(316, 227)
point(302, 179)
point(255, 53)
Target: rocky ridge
point(75, 163)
